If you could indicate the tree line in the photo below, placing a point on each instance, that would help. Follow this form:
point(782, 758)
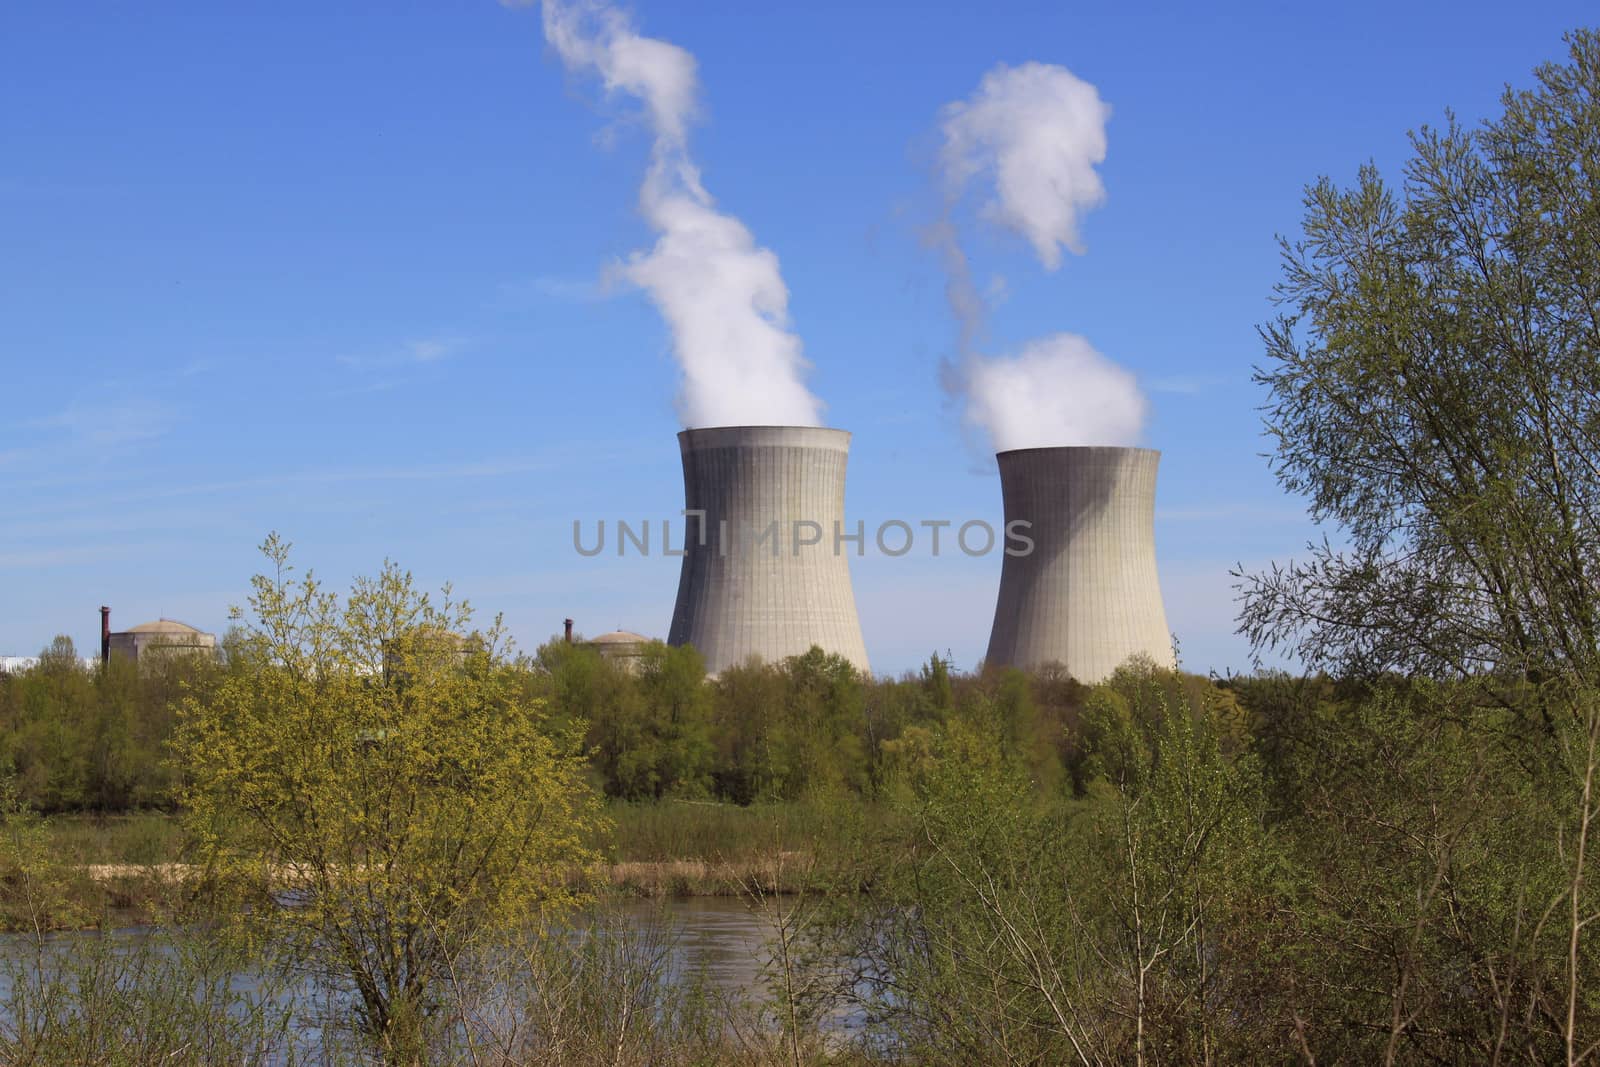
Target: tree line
point(652, 727)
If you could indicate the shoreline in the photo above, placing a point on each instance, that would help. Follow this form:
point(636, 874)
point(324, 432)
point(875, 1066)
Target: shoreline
point(138, 893)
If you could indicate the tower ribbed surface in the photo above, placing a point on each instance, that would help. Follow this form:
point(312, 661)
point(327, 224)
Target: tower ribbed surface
point(1087, 596)
point(737, 597)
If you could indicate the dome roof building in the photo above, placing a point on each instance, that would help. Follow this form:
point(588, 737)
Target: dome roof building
point(623, 646)
point(163, 637)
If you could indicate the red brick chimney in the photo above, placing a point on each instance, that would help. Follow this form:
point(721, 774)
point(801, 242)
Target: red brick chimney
point(105, 634)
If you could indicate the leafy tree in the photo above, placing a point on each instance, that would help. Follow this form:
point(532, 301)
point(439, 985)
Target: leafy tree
point(679, 752)
point(378, 761)
point(1031, 929)
point(648, 719)
point(936, 682)
point(823, 725)
point(1435, 392)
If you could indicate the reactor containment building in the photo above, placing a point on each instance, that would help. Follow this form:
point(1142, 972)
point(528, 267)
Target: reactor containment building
point(764, 574)
point(1087, 595)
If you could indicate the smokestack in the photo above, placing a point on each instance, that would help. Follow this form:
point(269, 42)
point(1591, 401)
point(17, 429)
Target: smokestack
point(569, 630)
point(762, 573)
point(105, 634)
point(1087, 596)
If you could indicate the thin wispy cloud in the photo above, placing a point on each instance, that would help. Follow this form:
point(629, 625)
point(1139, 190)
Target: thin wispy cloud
point(553, 288)
point(105, 425)
point(413, 353)
point(1240, 513)
point(1182, 385)
point(203, 365)
point(34, 531)
point(368, 389)
point(599, 453)
point(55, 557)
point(433, 349)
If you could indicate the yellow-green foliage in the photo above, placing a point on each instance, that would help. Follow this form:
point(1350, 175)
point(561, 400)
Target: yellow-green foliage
point(35, 889)
point(373, 763)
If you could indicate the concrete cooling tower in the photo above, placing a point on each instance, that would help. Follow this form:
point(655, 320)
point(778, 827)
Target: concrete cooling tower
point(762, 574)
point(1086, 596)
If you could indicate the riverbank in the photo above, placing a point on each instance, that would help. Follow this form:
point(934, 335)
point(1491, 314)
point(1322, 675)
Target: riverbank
point(131, 868)
point(779, 873)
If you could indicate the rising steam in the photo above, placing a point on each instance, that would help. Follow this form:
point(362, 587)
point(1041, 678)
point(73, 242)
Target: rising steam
point(1057, 391)
point(722, 295)
point(1033, 134)
point(1037, 131)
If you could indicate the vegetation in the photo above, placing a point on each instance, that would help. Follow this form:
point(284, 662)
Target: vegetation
point(386, 772)
point(1388, 860)
point(95, 740)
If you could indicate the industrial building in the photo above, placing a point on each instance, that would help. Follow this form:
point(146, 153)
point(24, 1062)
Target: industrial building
point(753, 584)
point(162, 637)
point(622, 647)
point(765, 569)
point(1087, 596)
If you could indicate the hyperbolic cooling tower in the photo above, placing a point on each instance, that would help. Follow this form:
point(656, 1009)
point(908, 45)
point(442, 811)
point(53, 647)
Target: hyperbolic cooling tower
point(751, 584)
point(1087, 595)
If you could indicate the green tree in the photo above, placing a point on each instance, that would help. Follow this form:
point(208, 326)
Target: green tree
point(823, 725)
point(50, 751)
point(1434, 390)
point(678, 705)
point(379, 763)
point(1029, 929)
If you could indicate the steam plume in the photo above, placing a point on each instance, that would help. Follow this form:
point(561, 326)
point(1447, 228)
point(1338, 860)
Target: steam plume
point(722, 295)
point(1033, 135)
point(1057, 391)
point(1038, 131)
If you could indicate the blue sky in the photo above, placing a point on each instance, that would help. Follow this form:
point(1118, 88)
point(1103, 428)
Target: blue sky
point(335, 270)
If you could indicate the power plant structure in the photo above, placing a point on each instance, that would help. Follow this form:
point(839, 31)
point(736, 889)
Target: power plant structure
point(163, 637)
point(1087, 595)
point(765, 574)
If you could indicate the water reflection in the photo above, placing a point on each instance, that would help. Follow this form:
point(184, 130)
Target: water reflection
point(722, 938)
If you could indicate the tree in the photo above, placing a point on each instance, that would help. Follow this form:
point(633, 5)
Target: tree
point(1022, 928)
point(1435, 391)
point(678, 703)
point(375, 759)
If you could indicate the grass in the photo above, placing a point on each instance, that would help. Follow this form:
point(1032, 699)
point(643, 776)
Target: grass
point(659, 832)
point(670, 848)
point(707, 831)
point(139, 839)
point(699, 848)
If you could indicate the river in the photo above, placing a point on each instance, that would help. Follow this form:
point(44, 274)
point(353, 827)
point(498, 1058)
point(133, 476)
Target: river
point(721, 940)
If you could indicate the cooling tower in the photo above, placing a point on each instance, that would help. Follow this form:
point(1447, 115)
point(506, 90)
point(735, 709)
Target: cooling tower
point(1087, 595)
point(751, 584)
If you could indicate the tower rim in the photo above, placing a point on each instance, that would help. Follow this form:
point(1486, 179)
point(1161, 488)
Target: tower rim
point(756, 435)
point(1078, 449)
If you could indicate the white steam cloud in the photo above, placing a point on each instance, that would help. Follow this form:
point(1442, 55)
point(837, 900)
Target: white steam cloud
point(1033, 134)
point(722, 295)
point(1038, 132)
point(1057, 391)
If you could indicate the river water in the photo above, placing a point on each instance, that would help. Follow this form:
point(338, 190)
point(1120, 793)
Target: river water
point(723, 938)
point(722, 941)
